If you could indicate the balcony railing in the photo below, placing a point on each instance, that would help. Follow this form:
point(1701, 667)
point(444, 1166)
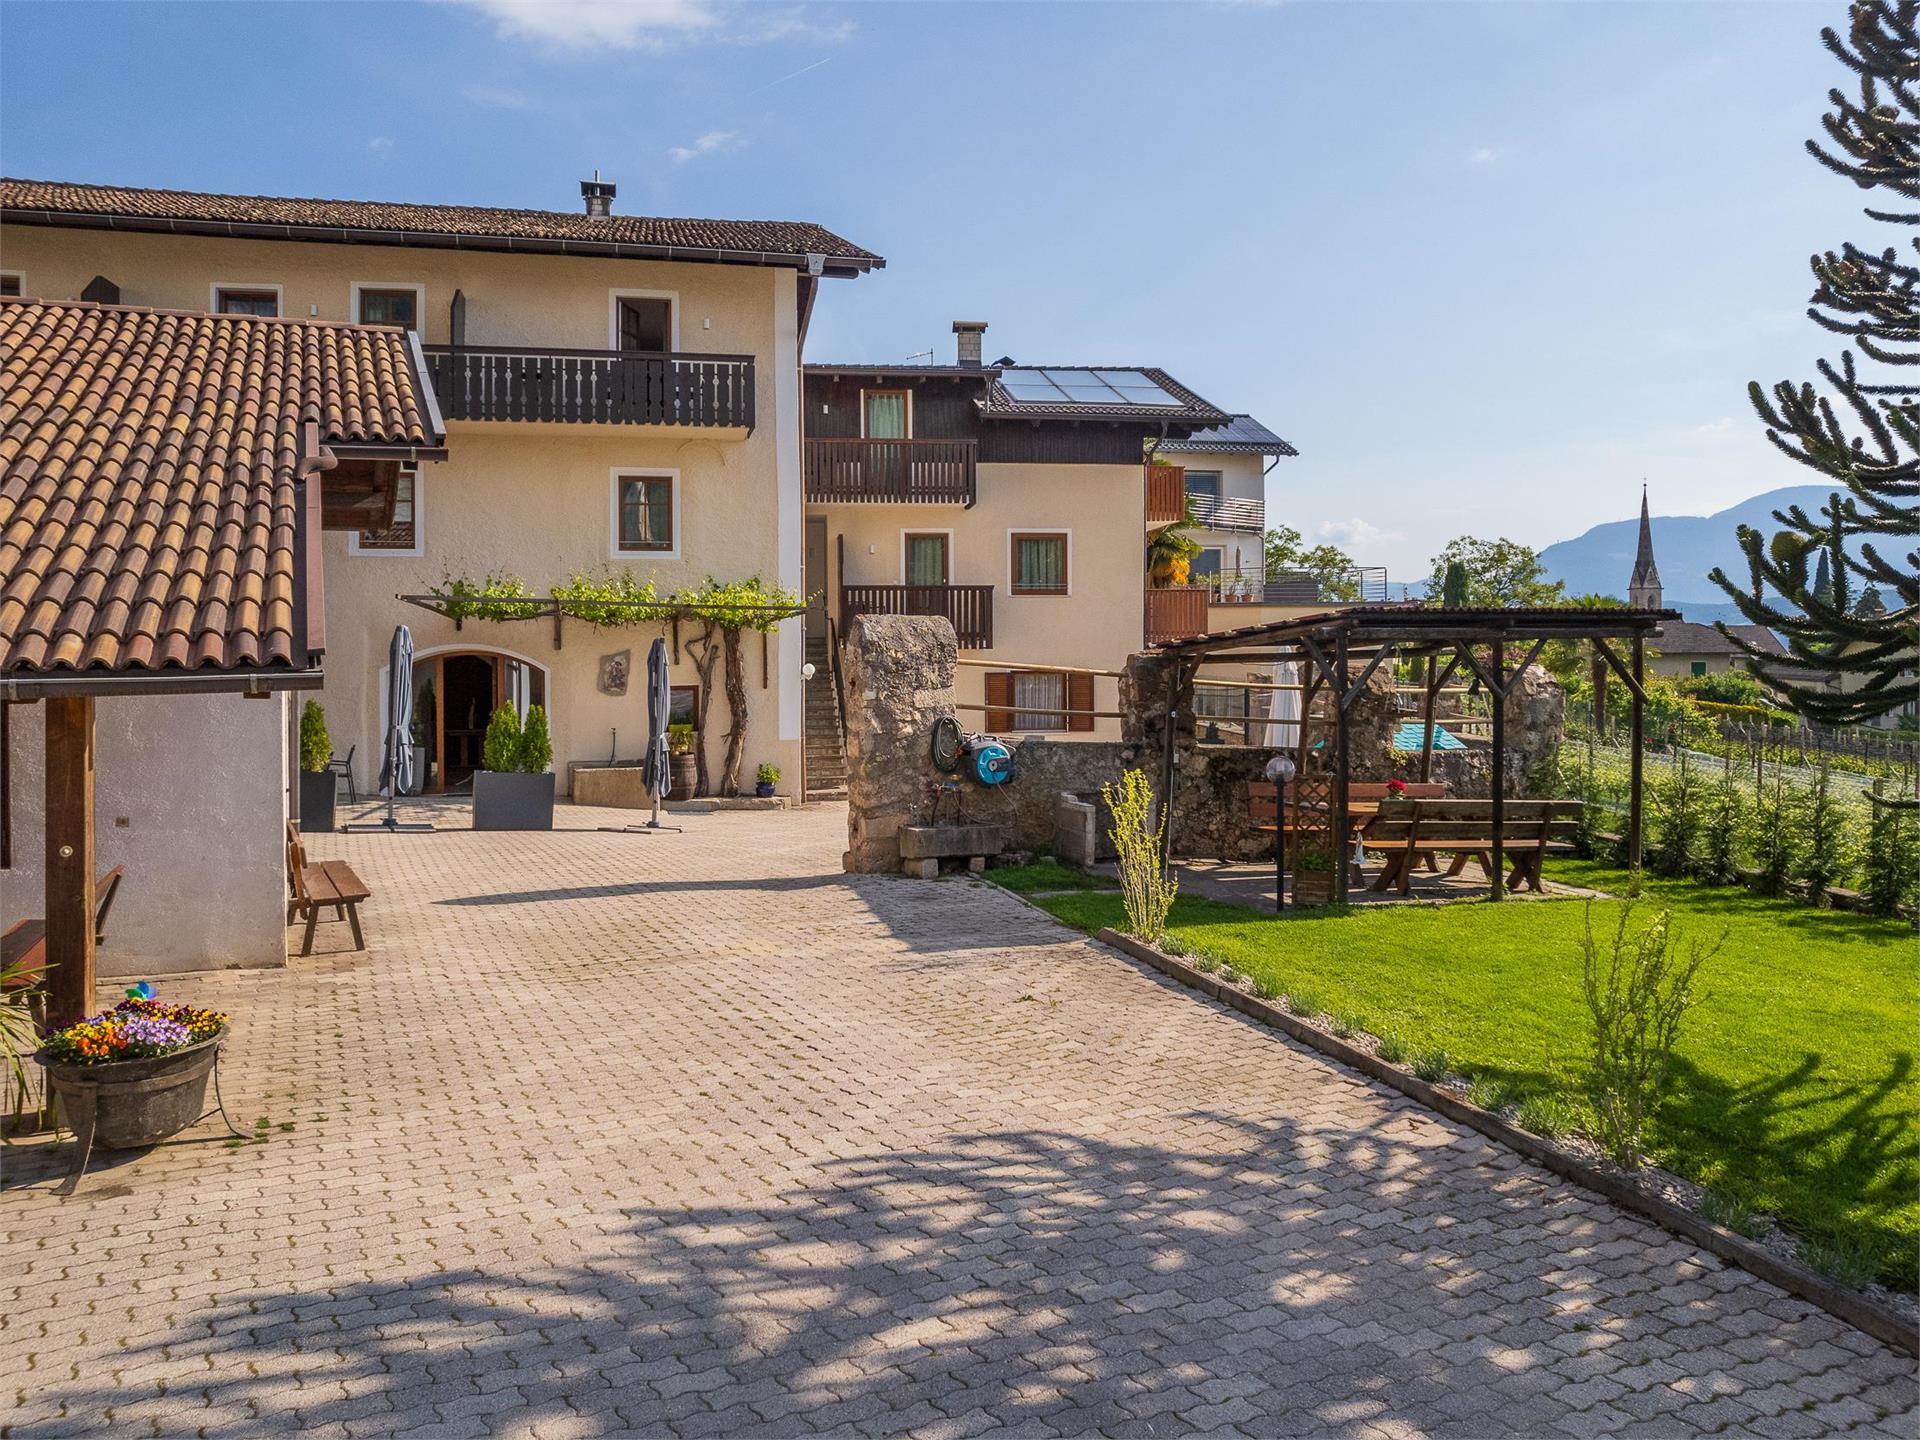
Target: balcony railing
point(939, 472)
point(1177, 612)
point(1229, 512)
point(1166, 494)
point(592, 387)
point(968, 607)
point(1363, 585)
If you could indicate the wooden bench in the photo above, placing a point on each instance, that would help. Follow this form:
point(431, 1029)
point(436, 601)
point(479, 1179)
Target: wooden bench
point(1405, 830)
point(1363, 799)
point(26, 941)
point(315, 887)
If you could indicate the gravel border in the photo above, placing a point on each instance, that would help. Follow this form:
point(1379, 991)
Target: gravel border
point(1665, 1199)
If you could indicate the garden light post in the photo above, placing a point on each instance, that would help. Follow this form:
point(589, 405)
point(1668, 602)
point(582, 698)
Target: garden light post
point(1280, 770)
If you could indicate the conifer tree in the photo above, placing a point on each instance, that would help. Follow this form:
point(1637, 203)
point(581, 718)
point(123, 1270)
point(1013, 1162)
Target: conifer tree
point(1863, 430)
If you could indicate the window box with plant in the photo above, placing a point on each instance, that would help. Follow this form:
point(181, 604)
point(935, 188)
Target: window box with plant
point(318, 784)
point(764, 779)
point(513, 789)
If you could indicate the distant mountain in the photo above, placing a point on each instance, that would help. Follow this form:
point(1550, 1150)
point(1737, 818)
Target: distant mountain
point(1686, 548)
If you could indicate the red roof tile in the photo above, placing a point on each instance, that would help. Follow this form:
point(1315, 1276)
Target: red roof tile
point(147, 469)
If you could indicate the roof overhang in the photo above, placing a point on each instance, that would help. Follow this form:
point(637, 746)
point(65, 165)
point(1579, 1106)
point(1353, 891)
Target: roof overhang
point(41, 685)
point(838, 266)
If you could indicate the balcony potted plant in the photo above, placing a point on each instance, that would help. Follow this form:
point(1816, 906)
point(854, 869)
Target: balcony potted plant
point(765, 778)
point(137, 1073)
point(318, 784)
point(513, 789)
point(683, 768)
point(1313, 878)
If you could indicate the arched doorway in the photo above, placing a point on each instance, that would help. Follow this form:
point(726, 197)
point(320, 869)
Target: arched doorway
point(455, 692)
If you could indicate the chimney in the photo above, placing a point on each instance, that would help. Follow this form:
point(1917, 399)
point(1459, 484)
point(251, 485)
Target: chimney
point(968, 344)
point(599, 196)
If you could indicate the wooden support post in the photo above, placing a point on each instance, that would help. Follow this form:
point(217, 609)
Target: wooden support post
point(69, 872)
point(1175, 670)
point(1497, 684)
point(1433, 693)
point(1637, 740)
point(1341, 759)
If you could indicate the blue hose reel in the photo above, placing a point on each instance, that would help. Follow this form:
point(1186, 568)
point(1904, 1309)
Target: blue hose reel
point(991, 762)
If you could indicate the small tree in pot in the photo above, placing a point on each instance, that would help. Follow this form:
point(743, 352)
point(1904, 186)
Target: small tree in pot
point(317, 783)
point(764, 779)
point(514, 788)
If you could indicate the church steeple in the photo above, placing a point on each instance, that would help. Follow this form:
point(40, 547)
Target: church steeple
point(1643, 590)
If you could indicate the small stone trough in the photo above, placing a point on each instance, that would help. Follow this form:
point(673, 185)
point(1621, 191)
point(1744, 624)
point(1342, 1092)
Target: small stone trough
point(923, 847)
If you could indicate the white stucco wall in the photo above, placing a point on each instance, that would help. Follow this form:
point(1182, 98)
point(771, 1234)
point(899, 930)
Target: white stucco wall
point(190, 796)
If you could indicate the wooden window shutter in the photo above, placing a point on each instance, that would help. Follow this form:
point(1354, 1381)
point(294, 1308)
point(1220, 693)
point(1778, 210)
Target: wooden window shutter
point(999, 701)
point(1079, 697)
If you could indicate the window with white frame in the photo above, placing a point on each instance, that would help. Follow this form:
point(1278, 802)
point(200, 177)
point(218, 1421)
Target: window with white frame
point(246, 300)
point(402, 535)
point(644, 513)
point(11, 281)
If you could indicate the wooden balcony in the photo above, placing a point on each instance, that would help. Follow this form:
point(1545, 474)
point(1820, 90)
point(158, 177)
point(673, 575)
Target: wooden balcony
point(1177, 612)
point(592, 387)
point(968, 607)
point(891, 472)
point(1166, 494)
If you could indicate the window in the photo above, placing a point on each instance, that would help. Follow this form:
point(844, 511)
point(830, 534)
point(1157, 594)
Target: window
point(1039, 563)
point(1204, 483)
point(1026, 700)
point(1036, 701)
point(683, 704)
point(1209, 561)
point(246, 300)
point(926, 558)
point(388, 305)
point(886, 414)
point(646, 323)
point(10, 282)
point(403, 536)
point(1699, 667)
point(644, 506)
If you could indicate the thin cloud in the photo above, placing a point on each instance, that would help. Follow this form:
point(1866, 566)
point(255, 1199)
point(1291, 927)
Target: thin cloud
point(1485, 155)
point(380, 144)
point(707, 144)
point(598, 24)
point(1356, 533)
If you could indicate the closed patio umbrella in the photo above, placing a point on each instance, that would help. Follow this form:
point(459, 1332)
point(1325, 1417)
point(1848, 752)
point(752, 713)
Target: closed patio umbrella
point(396, 768)
point(659, 706)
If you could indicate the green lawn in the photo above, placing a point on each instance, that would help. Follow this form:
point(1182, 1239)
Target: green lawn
point(1794, 1086)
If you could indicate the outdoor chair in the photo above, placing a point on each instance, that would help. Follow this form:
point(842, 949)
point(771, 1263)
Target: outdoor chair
point(344, 769)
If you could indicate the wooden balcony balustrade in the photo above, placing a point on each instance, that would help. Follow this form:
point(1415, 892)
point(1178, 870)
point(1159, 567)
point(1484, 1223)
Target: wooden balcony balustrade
point(592, 387)
point(939, 472)
point(1166, 494)
point(968, 607)
point(1177, 612)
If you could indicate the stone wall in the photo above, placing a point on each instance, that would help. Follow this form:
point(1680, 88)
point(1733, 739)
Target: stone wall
point(899, 679)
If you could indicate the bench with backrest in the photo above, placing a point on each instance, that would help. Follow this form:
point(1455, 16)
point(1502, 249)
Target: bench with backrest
point(316, 887)
point(25, 943)
point(1407, 830)
point(1260, 797)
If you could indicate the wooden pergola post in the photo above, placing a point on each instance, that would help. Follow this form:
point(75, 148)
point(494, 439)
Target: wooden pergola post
point(1341, 682)
point(1638, 739)
point(69, 871)
point(1497, 684)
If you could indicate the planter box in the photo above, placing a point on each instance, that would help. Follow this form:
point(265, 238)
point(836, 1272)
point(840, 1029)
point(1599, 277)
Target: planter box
point(125, 1104)
point(1313, 887)
point(503, 801)
point(318, 790)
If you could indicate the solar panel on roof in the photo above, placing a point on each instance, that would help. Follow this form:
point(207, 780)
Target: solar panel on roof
point(1085, 387)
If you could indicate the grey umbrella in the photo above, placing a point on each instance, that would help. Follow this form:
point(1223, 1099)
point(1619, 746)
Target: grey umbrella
point(396, 769)
point(655, 771)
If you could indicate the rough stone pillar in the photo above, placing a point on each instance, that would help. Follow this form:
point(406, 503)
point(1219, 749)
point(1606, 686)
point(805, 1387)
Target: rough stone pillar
point(1536, 723)
point(899, 679)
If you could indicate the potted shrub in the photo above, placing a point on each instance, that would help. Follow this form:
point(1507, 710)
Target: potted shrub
point(513, 789)
point(683, 769)
point(318, 784)
point(141, 1068)
point(764, 779)
point(1313, 878)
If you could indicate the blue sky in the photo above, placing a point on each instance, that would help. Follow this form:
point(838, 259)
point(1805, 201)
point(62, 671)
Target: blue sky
point(1486, 265)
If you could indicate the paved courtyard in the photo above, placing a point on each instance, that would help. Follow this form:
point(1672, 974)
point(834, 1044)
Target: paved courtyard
point(689, 1134)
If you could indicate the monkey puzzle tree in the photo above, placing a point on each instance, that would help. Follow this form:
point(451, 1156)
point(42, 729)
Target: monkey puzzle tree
point(1863, 430)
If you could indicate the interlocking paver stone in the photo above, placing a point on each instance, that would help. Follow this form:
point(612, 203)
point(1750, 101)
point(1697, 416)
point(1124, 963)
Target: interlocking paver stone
point(691, 1134)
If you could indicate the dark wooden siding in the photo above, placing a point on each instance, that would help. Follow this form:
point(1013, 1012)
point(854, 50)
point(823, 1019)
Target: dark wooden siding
point(943, 409)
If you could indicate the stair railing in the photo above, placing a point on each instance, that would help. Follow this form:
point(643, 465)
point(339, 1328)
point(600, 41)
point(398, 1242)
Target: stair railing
point(839, 681)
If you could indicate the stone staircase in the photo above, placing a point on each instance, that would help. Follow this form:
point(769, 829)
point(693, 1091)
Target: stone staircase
point(826, 762)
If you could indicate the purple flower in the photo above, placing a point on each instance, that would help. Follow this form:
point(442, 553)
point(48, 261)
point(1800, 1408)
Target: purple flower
point(153, 1032)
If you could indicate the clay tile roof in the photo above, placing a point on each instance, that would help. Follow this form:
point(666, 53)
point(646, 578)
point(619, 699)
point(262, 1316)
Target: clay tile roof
point(147, 468)
point(784, 242)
